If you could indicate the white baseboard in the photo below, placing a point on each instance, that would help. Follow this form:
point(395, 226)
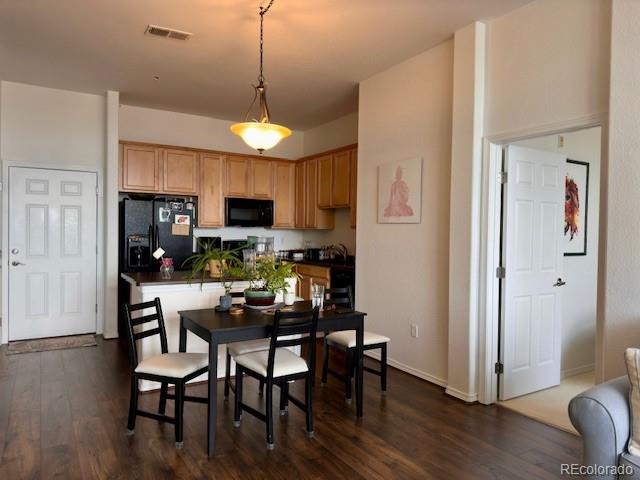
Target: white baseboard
point(570, 372)
point(470, 398)
point(410, 370)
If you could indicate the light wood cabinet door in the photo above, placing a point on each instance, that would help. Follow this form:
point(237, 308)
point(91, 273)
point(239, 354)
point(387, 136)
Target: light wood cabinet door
point(300, 203)
point(284, 196)
point(237, 176)
point(180, 172)
point(261, 178)
point(211, 200)
point(311, 196)
point(340, 179)
point(353, 192)
point(140, 168)
point(325, 180)
point(309, 275)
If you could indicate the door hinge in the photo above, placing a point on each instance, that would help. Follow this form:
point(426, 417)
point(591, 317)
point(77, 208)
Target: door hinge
point(501, 272)
point(498, 368)
point(96, 308)
point(502, 177)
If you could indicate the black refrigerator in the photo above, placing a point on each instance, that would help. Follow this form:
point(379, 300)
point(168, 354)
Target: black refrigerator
point(151, 223)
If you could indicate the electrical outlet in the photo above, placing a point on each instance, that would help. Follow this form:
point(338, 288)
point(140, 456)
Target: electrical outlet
point(414, 330)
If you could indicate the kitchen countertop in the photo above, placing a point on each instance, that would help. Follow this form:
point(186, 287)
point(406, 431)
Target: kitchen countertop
point(141, 279)
point(335, 264)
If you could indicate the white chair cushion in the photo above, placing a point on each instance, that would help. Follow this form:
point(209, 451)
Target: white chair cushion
point(176, 365)
point(250, 346)
point(347, 338)
point(285, 362)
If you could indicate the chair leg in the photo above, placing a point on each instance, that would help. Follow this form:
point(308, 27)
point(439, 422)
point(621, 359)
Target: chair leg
point(133, 405)
point(261, 388)
point(383, 368)
point(162, 406)
point(269, 415)
point(227, 376)
point(179, 412)
point(238, 396)
point(283, 398)
point(325, 361)
point(309, 404)
point(347, 375)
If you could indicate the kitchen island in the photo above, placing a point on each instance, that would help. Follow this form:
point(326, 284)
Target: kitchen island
point(176, 294)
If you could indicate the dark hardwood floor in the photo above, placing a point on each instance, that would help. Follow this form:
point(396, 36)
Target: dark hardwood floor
point(63, 415)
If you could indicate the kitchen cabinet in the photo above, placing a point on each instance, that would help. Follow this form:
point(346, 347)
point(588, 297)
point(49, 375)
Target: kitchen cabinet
point(300, 195)
point(237, 176)
point(353, 191)
point(314, 217)
point(334, 180)
point(284, 194)
point(325, 180)
point(312, 274)
point(211, 199)
point(180, 171)
point(261, 179)
point(139, 168)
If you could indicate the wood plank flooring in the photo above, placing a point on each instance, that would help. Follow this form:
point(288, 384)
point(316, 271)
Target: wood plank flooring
point(63, 415)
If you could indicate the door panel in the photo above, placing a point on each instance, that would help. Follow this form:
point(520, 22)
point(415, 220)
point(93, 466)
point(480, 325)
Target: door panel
point(140, 168)
point(341, 179)
point(237, 176)
point(261, 179)
point(52, 253)
point(533, 259)
point(180, 172)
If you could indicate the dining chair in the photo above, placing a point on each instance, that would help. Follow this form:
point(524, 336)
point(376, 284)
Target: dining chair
point(346, 341)
point(280, 366)
point(167, 368)
point(240, 348)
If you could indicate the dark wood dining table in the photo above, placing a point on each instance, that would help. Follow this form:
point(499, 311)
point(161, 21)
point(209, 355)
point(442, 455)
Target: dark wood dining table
point(216, 328)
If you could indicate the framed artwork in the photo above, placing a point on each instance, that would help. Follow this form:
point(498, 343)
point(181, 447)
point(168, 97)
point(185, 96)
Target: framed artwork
point(400, 191)
point(575, 208)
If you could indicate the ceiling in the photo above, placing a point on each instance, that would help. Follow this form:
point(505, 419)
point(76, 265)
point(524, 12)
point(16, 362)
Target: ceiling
point(316, 52)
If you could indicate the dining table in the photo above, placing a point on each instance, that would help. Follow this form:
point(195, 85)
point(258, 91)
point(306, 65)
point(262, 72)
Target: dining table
point(219, 327)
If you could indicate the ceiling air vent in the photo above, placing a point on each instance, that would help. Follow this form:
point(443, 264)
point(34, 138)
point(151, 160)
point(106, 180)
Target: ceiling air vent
point(167, 32)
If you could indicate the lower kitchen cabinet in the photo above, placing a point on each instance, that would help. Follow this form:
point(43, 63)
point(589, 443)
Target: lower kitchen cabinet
point(312, 274)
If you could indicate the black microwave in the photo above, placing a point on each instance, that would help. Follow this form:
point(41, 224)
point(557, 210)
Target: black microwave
point(245, 212)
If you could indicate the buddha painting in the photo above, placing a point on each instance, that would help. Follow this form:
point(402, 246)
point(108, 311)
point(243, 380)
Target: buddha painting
point(399, 191)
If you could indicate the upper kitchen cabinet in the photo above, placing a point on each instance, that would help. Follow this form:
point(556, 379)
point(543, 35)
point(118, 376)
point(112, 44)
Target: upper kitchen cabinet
point(261, 179)
point(284, 196)
point(334, 180)
point(300, 195)
point(211, 200)
point(180, 172)
point(139, 168)
point(353, 192)
point(237, 176)
point(314, 217)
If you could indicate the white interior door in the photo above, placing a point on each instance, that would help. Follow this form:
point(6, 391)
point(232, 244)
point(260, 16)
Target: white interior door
point(533, 259)
point(52, 253)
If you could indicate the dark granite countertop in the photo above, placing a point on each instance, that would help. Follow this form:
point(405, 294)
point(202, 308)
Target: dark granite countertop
point(335, 264)
point(140, 279)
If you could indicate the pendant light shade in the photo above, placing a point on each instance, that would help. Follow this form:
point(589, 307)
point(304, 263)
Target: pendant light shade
point(260, 133)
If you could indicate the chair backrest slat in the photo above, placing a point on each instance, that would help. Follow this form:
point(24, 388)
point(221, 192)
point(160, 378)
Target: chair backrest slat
point(303, 323)
point(339, 296)
point(143, 319)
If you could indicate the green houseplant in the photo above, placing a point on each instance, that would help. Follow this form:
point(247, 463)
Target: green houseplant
point(211, 259)
point(269, 278)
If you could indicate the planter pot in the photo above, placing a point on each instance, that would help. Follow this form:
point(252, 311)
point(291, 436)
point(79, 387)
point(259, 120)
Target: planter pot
point(215, 269)
point(225, 302)
point(259, 298)
point(289, 298)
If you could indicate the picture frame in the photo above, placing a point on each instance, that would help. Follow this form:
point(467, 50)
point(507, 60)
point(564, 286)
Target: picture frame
point(576, 208)
point(400, 191)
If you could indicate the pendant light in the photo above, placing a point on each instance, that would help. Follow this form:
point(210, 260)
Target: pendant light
point(260, 133)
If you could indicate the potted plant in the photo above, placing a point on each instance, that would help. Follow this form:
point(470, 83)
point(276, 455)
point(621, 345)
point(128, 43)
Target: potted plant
point(270, 278)
point(212, 259)
point(231, 272)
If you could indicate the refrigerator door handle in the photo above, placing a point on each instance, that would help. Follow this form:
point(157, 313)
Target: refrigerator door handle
point(157, 239)
point(152, 240)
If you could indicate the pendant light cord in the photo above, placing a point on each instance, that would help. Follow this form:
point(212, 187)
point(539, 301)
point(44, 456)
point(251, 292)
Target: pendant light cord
point(263, 12)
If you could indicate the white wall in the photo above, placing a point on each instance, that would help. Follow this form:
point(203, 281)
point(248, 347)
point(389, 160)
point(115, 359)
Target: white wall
point(403, 270)
point(547, 62)
point(173, 128)
point(621, 265)
point(580, 273)
point(338, 133)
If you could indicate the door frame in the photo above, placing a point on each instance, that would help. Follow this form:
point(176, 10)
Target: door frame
point(491, 220)
point(5, 187)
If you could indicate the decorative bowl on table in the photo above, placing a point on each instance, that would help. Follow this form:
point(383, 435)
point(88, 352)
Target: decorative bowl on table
point(259, 298)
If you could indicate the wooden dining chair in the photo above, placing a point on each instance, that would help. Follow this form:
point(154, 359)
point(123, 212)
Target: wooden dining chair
point(346, 341)
point(280, 366)
point(167, 368)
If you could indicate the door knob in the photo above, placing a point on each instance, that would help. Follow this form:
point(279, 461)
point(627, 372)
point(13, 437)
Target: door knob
point(17, 264)
point(559, 283)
